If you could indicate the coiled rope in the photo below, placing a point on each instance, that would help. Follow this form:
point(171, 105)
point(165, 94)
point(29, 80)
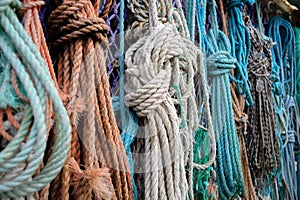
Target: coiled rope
point(282, 33)
point(77, 33)
point(262, 141)
point(22, 157)
point(220, 63)
point(240, 46)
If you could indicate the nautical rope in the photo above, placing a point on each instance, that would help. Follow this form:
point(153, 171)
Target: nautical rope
point(262, 141)
point(155, 81)
point(240, 46)
point(220, 63)
point(21, 158)
point(77, 32)
point(282, 33)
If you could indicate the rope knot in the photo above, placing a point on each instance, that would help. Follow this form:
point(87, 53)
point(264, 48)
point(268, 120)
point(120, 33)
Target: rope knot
point(73, 20)
point(148, 97)
point(32, 5)
point(4, 4)
point(220, 63)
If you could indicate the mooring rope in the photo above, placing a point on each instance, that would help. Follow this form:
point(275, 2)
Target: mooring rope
point(77, 33)
point(22, 157)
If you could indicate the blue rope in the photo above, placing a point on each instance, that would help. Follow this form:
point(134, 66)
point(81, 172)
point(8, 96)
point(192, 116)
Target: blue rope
point(220, 63)
point(128, 118)
point(283, 53)
point(240, 46)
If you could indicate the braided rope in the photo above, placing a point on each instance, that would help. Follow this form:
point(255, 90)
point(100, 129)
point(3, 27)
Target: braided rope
point(262, 141)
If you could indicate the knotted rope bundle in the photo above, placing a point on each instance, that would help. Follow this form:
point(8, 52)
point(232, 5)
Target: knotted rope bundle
point(160, 70)
point(240, 46)
point(77, 32)
point(262, 141)
point(26, 89)
point(220, 63)
point(282, 33)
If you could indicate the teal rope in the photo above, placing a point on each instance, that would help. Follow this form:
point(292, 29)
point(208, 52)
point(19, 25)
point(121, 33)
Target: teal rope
point(14, 40)
point(297, 39)
point(240, 46)
point(282, 33)
point(220, 63)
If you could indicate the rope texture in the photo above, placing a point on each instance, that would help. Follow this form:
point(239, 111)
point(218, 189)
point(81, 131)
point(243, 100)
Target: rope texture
point(77, 32)
point(21, 158)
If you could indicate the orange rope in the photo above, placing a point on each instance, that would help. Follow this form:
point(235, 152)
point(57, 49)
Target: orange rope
point(77, 32)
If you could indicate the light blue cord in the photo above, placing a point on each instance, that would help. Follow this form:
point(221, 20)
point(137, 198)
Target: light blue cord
point(283, 54)
point(220, 63)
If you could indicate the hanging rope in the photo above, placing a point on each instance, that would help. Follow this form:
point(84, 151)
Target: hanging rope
point(282, 33)
point(76, 32)
point(220, 63)
point(32, 85)
point(159, 79)
point(297, 147)
point(262, 142)
point(240, 46)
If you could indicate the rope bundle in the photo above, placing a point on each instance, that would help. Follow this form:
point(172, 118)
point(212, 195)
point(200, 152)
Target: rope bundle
point(160, 70)
point(282, 33)
point(26, 90)
point(220, 63)
point(262, 141)
point(77, 33)
point(240, 46)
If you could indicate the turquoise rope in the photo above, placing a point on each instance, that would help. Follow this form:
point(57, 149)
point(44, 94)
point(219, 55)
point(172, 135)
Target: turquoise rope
point(240, 46)
point(15, 42)
point(220, 63)
point(283, 53)
point(297, 38)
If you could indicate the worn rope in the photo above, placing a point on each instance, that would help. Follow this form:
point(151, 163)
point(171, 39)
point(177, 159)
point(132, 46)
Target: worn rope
point(22, 157)
point(153, 88)
point(75, 28)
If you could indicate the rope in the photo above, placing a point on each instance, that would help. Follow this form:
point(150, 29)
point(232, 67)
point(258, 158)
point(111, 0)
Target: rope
point(220, 63)
point(155, 82)
point(77, 33)
point(297, 152)
point(22, 157)
point(240, 46)
point(262, 142)
point(282, 33)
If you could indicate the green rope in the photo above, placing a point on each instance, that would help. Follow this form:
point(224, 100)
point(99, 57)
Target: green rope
point(19, 53)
